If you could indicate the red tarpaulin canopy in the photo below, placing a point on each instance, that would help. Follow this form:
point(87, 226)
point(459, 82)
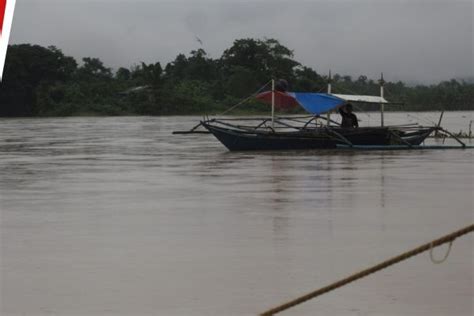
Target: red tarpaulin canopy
point(282, 100)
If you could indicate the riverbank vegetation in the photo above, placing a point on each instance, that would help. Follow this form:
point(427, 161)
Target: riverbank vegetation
point(42, 81)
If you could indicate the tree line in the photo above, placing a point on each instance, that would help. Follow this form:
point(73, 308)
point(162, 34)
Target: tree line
point(42, 81)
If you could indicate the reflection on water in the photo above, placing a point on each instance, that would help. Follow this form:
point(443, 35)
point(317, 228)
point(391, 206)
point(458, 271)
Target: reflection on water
point(107, 216)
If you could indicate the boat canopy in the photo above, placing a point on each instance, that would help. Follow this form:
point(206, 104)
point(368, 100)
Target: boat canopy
point(283, 100)
point(315, 103)
point(361, 98)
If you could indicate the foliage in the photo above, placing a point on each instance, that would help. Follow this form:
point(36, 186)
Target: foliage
point(42, 81)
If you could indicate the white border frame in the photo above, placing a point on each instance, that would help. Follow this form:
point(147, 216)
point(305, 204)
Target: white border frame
point(4, 38)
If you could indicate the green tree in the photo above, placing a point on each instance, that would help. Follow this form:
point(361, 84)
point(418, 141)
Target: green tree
point(28, 67)
point(264, 59)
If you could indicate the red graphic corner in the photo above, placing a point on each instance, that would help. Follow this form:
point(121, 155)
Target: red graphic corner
point(7, 8)
point(3, 4)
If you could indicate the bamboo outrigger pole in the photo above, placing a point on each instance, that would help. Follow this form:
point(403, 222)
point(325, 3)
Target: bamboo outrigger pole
point(328, 121)
point(382, 106)
point(273, 104)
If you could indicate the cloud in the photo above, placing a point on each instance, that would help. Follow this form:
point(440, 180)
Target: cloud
point(414, 40)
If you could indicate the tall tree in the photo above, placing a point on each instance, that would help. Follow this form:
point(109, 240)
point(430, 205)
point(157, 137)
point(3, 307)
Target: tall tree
point(26, 68)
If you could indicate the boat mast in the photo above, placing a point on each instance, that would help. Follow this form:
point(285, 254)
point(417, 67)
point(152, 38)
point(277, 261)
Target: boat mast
point(273, 104)
point(381, 82)
point(328, 114)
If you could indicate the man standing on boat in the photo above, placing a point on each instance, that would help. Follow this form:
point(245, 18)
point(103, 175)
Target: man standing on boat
point(349, 119)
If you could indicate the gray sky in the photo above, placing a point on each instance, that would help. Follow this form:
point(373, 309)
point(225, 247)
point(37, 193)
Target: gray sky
point(413, 40)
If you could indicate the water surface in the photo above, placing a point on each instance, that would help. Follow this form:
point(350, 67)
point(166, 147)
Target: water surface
point(114, 216)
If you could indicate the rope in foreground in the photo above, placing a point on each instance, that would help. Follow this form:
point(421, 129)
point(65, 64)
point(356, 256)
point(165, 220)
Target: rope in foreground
point(429, 246)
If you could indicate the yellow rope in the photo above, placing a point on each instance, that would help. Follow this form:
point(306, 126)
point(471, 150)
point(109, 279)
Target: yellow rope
point(438, 261)
point(448, 238)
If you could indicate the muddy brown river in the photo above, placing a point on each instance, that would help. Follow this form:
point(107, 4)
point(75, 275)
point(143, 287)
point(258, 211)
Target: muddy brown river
point(115, 216)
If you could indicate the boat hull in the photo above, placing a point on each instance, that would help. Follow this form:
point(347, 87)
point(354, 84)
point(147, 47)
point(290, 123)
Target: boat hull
point(243, 140)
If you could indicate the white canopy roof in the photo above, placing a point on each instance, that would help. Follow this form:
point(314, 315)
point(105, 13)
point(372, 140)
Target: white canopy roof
point(361, 98)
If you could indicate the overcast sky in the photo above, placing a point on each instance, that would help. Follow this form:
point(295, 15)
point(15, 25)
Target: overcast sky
point(413, 40)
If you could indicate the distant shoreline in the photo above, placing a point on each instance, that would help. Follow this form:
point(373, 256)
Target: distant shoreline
point(42, 81)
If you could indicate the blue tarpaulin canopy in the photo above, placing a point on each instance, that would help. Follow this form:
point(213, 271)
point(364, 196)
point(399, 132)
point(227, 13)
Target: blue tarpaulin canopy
point(317, 103)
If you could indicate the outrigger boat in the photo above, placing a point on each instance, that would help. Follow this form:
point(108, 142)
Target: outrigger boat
point(314, 131)
point(239, 138)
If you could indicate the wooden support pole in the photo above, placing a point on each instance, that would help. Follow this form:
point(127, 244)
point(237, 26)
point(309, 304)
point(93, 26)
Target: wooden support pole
point(382, 106)
point(439, 123)
point(273, 104)
point(328, 114)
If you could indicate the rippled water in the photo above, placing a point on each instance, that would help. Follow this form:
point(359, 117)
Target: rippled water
point(115, 216)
